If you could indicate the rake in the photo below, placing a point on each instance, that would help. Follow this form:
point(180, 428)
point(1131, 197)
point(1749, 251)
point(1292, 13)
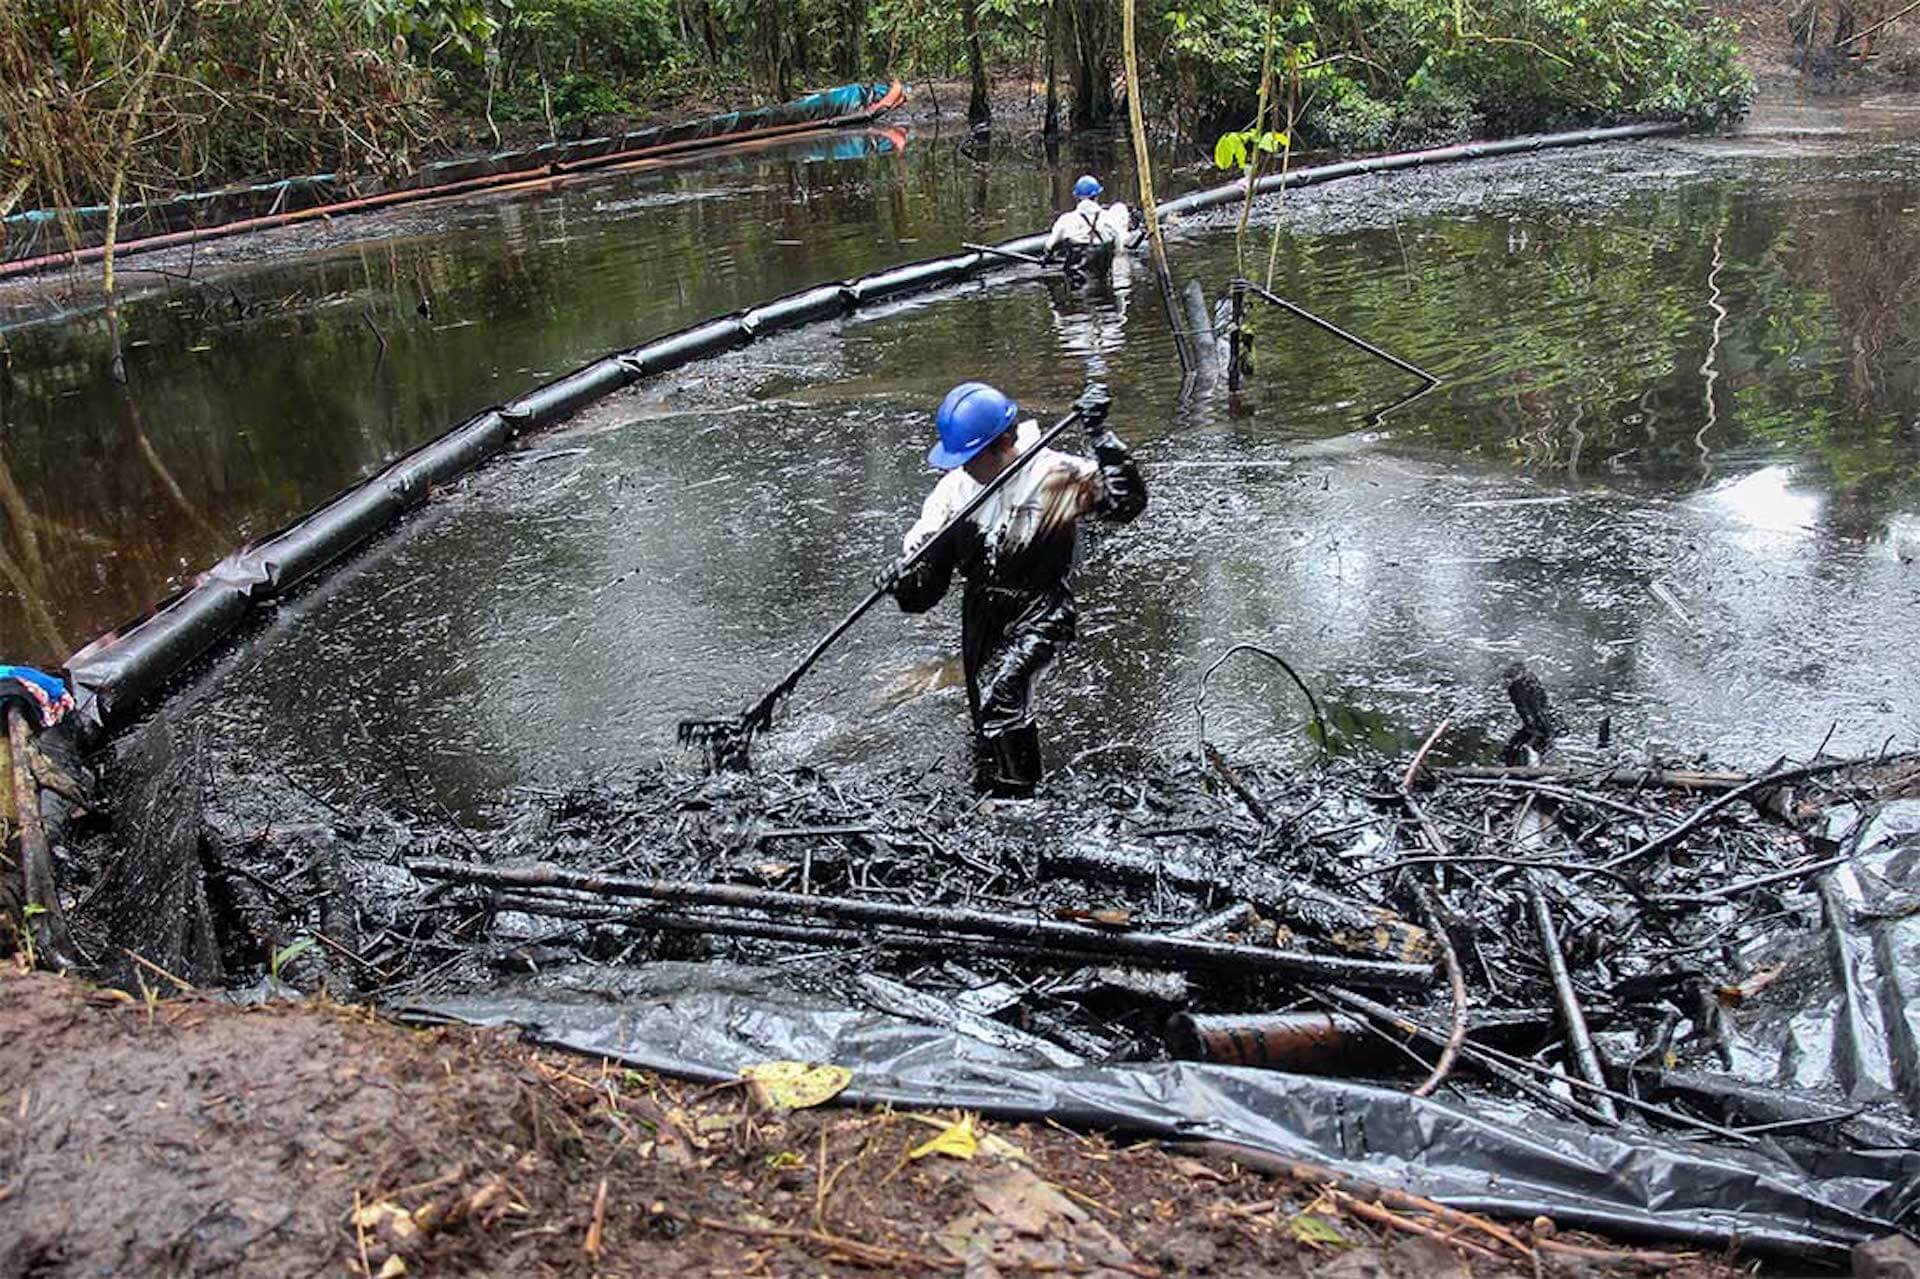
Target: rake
point(726, 741)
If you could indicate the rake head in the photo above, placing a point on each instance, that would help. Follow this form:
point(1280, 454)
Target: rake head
point(724, 743)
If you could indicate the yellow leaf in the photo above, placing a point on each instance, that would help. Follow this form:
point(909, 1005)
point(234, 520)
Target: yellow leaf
point(783, 1160)
point(393, 1269)
point(957, 1139)
point(796, 1085)
point(391, 1215)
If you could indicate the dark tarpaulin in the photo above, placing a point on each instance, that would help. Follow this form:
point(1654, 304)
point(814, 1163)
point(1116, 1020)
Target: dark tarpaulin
point(707, 1021)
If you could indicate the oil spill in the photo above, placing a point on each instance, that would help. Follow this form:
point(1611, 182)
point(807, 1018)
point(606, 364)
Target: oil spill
point(1673, 465)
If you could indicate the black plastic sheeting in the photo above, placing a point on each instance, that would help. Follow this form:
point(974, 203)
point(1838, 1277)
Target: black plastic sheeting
point(1841, 1017)
point(705, 1022)
point(116, 673)
point(34, 231)
point(1820, 1065)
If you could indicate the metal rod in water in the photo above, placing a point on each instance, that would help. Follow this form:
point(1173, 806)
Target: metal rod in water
point(1005, 253)
point(1330, 327)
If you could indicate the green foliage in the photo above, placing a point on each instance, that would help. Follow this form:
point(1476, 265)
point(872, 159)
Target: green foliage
point(220, 90)
point(428, 26)
point(1236, 150)
point(277, 86)
point(1368, 73)
point(561, 60)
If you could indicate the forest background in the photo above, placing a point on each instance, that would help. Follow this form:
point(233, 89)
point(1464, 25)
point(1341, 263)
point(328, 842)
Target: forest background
point(108, 101)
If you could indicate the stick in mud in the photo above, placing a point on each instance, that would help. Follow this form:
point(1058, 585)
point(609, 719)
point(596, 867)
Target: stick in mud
point(40, 898)
point(1586, 1057)
point(948, 921)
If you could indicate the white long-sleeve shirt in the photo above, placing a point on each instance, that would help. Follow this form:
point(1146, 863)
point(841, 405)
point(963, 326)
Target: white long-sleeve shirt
point(1052, 490)
point(1087, 221)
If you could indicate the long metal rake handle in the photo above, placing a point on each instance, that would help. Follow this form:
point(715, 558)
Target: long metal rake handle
point(761, 712)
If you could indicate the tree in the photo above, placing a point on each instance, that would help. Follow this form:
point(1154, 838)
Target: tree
point(1090, 48)
point(979, 110)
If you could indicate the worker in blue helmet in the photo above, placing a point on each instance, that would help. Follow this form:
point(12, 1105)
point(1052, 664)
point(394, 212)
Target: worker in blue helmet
point(1088, 236)
point(1016, 554)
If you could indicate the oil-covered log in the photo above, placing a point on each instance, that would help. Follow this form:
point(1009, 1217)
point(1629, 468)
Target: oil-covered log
point(1354, 927)
point(949, 921)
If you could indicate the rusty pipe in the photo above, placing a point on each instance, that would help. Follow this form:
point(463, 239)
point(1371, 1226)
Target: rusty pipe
point(1310, 1043)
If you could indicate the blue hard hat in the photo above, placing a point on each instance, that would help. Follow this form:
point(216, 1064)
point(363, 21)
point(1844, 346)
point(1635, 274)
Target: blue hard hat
point(972, 416)
point(1087, 188)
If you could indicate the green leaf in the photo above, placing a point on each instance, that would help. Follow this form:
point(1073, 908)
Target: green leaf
point(288, 953)
point(1230, 152)
point(1315, 1231)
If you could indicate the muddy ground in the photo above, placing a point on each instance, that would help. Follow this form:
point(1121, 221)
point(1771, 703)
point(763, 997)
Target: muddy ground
point(180, 1135)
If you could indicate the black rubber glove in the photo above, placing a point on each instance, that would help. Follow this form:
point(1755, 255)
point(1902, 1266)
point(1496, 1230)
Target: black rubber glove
point(1093, 405)
point(887, 576)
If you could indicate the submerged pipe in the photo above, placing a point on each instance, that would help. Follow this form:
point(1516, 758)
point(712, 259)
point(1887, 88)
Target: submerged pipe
point(112, 675)
point(1327, 1043)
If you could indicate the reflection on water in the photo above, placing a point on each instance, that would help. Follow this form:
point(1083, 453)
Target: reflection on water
point(1673, 466)
point(265, 389)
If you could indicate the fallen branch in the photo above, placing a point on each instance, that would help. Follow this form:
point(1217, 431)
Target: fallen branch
point(1637, 778)
point(943, 921)
point(1771, 778)
point(1356, 927)
point(1457, 984)
point(1387, 1217)
point(1585, 1056)
point(1878, 26)
point(1356, 1189)
point(1412, 777)
point(1218, 763)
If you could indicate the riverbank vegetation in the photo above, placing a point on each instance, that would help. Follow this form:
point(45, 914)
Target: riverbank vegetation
point(105, 99)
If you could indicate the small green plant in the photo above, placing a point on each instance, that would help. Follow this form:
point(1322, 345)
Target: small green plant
point(286, 955)
point(1237, 150)
point(32, 911)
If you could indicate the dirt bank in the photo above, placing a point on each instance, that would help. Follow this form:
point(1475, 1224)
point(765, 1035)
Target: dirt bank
point(187, 1136)
point(1886, 59)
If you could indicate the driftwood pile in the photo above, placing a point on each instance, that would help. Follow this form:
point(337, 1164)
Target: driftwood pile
point(1544, 931)
point(1336, 920)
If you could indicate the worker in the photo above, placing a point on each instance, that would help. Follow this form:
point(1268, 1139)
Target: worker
point(1015, 553)
point(1088, 234)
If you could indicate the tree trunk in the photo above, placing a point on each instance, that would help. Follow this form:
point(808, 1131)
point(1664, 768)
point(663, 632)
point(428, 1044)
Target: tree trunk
point(853, 52)
point(1089, 42)
point(979, 110)
point(1051, 128)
